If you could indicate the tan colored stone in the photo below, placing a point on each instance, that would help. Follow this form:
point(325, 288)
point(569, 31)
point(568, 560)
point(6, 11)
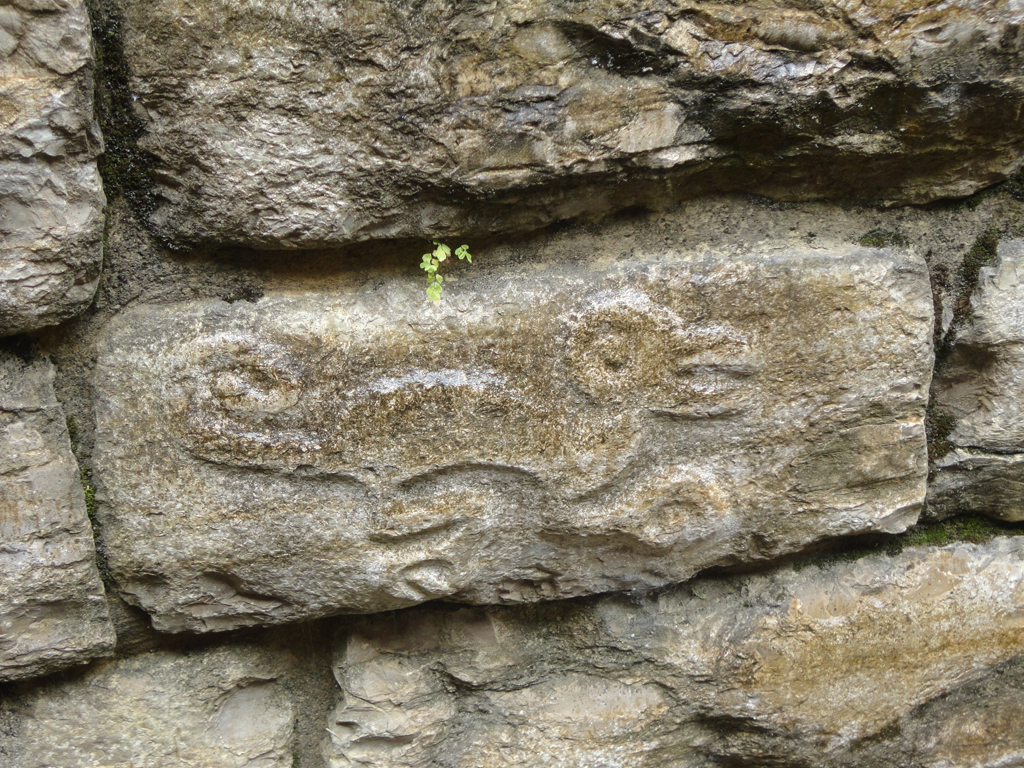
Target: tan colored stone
point(53, 612)
point(51, 197)
point(818, 667)
point(309, 123)
point(551, 430)
point(978, 724)
point(217, 708)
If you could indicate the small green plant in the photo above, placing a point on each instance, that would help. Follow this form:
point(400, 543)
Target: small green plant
point(432, 262)
point(91, 505)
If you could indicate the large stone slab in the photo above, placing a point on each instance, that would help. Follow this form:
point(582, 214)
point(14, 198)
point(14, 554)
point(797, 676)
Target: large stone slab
point(553, 429)
point(981, 389)
point(51, 197)
point(53, 612)
point(879, 662)
point(217, 708)
point(309, 123)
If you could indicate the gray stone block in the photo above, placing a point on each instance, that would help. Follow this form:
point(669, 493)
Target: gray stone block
point(51, 196)
point(551, 430)
point(53, 612)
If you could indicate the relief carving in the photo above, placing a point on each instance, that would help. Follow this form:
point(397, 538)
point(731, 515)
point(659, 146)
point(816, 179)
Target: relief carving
point(607, 430)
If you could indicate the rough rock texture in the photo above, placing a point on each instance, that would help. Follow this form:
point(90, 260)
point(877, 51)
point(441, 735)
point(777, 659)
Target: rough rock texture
point(982, 388)
point(970, 481)
point(51, 200)
point(307, 123)
point(53, 612)
point(870, 663)
point(978, 725)
point(219, 708)
point(552, 429)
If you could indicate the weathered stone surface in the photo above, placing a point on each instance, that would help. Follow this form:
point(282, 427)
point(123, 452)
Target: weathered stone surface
point(982, 387)
point(980, 724)
point(969, 481)
point(219, 708)
point(53, 612)
point(308, 123)
point(825, 666)
point(51, 198)
point(554, 428)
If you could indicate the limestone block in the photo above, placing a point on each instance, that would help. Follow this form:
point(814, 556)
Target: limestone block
point(53, 612)
point(825, 666)
point(51, 197)
point(314, 123)
point(974, 481)
point(982, 388)
point(216, 708)
point(552, 429)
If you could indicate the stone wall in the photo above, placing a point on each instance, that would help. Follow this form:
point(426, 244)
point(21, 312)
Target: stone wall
point(712, 457)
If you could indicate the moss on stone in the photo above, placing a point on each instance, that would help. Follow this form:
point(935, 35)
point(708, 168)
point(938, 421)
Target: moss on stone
point(91, 506)
point(884, 238)
point(91, 509)
point(1014, 186)
point(124, 166)
point(72, 426)
point(971, 528)
point(981, 253)
point(938, 426)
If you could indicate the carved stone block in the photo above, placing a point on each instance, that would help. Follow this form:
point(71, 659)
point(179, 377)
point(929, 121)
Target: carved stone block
point(553, 430)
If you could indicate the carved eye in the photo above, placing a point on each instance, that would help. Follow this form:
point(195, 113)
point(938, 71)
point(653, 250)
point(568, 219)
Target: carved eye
point(628, 347)
point(610, 351)
point(254, 390)
point(616, 348)
point(247, 380)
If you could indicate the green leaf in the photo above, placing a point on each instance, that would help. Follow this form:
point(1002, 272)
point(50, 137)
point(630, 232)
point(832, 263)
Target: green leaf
point(432, 261)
